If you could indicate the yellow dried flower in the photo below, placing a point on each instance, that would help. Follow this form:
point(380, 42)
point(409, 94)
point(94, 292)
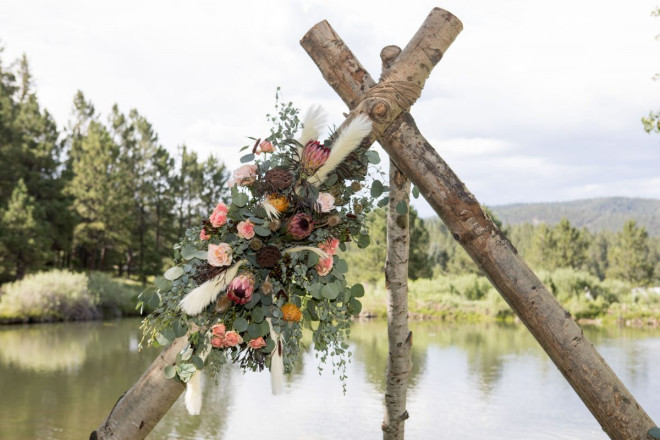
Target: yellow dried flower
point(278, 201)
point(291, 313)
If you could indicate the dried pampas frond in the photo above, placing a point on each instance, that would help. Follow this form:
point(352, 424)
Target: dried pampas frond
point(200, 297)
point(317, 251)
point(313, 123)
point(349, 139)
point(276, 362)
point(194, 388)
point(271, 211)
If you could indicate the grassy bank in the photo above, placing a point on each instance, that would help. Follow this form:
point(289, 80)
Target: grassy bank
point(67, 296)
point(470, 297)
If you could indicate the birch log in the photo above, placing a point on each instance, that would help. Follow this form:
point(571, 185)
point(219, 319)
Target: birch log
point(399, 362)
point(617, 411)
point(136, 412)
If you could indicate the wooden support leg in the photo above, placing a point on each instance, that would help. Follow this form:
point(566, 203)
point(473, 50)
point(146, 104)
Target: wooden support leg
point(617, 411)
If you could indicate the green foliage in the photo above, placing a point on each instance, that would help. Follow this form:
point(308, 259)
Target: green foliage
point(629, 255)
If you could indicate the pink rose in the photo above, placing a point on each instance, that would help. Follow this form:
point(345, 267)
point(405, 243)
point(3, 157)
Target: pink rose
point(245, 229)
point(218, 330)
point(330, 246)
point(218, 342)
point(265, 147)
point(203, 235)
point(220, 254)
point(325, 202)
point(219, 215)
point(232, 339)
point(324, 266)
point(258, 343)
point(245, 175)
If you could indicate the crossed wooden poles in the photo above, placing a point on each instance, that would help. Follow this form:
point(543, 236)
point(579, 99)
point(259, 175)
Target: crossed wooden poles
point(387, 103)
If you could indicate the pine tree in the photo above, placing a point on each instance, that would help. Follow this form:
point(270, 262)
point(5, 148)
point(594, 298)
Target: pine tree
point(629, 255)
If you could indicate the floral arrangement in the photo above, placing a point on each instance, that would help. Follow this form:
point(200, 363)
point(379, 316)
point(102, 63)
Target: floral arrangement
point(264, 266)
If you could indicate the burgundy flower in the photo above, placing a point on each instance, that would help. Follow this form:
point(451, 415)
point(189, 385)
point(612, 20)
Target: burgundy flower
point(300, 226)
point(313, 156)
point(240, 289)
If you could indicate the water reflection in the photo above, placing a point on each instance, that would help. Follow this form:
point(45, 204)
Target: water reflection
point(59, 381)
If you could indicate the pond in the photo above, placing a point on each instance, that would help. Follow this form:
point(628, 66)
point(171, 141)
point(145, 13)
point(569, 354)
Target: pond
point(59, 381)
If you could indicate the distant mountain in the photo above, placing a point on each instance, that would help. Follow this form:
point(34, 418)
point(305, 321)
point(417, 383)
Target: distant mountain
point(596, 214)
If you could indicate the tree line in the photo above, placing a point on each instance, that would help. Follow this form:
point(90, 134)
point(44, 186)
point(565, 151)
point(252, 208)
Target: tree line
point(100, 194)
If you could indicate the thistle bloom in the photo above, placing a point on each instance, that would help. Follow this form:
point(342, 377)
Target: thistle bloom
point(241, 288)
point(232, 339)
point(300, 226)
point(219, 215)
point(330, 246)
point(258, 343)
point(325, 202)
point(245, 175)
point(220, 254)
point(313, 156)
point(245, 229)
point(324, 266)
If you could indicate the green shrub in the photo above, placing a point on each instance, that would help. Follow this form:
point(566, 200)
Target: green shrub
point(114, 296)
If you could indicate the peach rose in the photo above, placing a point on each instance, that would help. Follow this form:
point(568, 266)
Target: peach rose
point(324, 266)
point(330, 246)
point(258, 343)
point(218, 330)
point(245, 229)
point(218, 342)
point(245, 175)
point(232, 339)
point(220, 254)
point(325, 202)
point(219, 215)
point(265, 147)
point(203, 235)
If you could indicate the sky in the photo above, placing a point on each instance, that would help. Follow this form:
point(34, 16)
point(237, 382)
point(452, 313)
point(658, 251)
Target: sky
point(535, 101)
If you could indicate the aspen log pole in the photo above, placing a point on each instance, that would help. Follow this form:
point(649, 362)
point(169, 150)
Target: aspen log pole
point(617, 411)
point(136, 412)
point(399, 338)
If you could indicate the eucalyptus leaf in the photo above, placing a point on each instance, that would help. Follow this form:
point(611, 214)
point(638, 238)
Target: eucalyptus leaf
point(247, 158)
point(154, 301)
point(169, 371)
point(384, 201)
point(330, 291)
point(341, 266)
point(162, 284)
point(240, 324)
point(254, 330)
point(364, 241)
point(197, 362)
point(357, 290)
point(262, 231)
point(355, 306)
point(173, 273)
point(402, 207)
point(179, 329)
point(415, 192)
point(373, 157)
point(202, 255)
point(312, 259)
point(258, 314)
point(654, 432)
point(376, 189)
point(240, 200)
point(188, 251)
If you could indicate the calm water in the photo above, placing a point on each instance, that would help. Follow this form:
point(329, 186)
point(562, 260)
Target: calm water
point(59, 381)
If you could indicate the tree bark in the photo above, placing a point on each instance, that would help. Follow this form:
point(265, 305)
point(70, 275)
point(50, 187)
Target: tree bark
point(620, 416)
point(399, 363)
point(136, 412)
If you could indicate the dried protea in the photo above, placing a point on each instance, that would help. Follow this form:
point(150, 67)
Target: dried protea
point(241, 288)
point(313, 157)
point(300, 226)
point(291, 313)
point(356, 186)
point(278, 201)
point(268, 256)
point(278, 178)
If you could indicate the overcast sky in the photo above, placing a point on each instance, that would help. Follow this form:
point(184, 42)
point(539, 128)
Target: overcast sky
point(534, 101)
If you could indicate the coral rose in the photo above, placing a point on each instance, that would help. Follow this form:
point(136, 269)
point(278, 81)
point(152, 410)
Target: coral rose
point(265, 147)
point(218, 330)
point(325, 202)
point(324, 266)
point(220, 254)
point(219, 215)
point(245, 229)
point(218, 342)
point(203, 235)
point(258, 343)
point(232, 339)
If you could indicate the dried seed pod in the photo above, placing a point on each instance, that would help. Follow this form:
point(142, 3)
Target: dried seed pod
point(334, 220)
point(274, 225)
point(268, 256)
point(223, 304)
point(279, 178)
point(256, 244)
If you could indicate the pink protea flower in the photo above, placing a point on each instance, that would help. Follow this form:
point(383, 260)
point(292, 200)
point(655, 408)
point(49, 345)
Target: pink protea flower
point(219, 215)
point(232, 339)
point(203, 235)
point(245, 175)
point(245, 229)
point(324, 266)
point(300, 226)
point(258, 343)
point(313, 156)
point(330, 246)
point(240, 289)
point(219, 254)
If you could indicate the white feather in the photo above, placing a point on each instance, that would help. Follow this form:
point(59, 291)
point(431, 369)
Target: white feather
point(349, 139)
point(271, 211)
point(313, 123)
point(200, 297)
point(276, 363)
point(194, 394)
point(316, 250)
